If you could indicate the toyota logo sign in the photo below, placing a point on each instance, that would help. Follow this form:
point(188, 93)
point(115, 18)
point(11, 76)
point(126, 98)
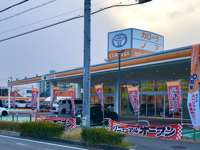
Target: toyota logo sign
point(119, 40)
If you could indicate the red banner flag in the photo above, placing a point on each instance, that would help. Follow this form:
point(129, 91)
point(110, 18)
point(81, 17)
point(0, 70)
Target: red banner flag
point(174, 96)
point(133, 93)
point(35, 94)
point(72, 93)
point(173, 131)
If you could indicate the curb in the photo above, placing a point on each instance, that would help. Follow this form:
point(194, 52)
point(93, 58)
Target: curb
point(79, 143)
point(10, 133)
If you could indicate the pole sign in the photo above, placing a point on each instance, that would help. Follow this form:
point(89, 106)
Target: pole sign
point(35, 94)
point(133, 93)
point(174, 96)
point(193, 102)
point(99, 92)
point(172, 132)
point(133, 42)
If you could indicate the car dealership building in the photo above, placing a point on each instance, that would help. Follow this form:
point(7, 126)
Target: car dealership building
point(135, 57)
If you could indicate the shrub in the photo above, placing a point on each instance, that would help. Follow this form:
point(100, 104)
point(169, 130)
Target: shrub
point(94, 136)
point(9, 126)
point(41, 129)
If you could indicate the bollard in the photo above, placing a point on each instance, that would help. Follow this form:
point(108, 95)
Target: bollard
point(30, 117)
point(194, 135)
point(17, 117)
point(13, 119)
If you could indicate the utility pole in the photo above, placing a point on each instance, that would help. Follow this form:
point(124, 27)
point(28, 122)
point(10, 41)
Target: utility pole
point(86, 61)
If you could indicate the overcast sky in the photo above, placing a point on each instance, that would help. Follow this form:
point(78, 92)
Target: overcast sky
point(61, 47)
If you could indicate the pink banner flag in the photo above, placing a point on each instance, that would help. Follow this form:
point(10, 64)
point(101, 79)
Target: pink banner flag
point(99, 92)
point(174, 96)
point(133, 93)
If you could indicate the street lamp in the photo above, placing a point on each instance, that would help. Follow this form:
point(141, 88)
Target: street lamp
point(119, 80)
point(86, 59)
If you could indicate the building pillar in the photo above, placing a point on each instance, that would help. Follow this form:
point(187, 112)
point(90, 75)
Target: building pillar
point(9, 96)
point(38, 98)
point(51, 93)
point(117, 100)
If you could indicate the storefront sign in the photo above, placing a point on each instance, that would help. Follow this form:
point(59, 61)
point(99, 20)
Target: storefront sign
point(133, 42)
point(174, 96)
point(35, 94)
point(133, 93)
point(173, 132)
point(193, 95)
point(99, 91)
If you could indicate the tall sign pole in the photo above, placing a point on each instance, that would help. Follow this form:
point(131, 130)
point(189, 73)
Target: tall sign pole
point(86, 59)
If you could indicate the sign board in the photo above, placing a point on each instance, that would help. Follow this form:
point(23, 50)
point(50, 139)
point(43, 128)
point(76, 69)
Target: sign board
point(133, 42)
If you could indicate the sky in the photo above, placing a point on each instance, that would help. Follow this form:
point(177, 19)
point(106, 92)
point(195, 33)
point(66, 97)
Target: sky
point(61, 48)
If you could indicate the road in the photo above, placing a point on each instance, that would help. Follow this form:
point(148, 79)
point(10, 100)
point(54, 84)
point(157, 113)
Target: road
point(142, 143)
point(13, 143)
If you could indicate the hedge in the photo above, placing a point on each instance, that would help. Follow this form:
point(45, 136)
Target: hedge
point(9, 126)
point(94, 136)
point(41, 129)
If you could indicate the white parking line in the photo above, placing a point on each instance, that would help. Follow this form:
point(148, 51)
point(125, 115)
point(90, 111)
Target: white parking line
point(40, 142)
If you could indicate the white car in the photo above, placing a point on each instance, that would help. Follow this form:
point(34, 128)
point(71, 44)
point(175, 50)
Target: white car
point(20, 104)
point(3, 111)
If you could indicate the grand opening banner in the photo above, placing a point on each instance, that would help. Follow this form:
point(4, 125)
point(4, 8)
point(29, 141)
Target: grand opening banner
point(174, 96)
point(133, 93)
point(193, 102)
point(172, 132)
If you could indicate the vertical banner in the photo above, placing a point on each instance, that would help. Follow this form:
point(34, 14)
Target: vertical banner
point(99, 92)
point(133, 93)
point(193, 94)
point(35, 95)
point(56, 91)
point(174, 96)
point(72, 93)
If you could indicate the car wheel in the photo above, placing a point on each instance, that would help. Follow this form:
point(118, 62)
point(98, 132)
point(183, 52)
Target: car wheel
point(4, 113)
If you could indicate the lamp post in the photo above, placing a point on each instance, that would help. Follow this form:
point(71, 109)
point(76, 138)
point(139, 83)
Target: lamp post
point(119, 80)
point(86, 60)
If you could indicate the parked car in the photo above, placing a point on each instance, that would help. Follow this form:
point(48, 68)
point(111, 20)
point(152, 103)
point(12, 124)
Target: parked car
point(3, 111)
point(21, 104)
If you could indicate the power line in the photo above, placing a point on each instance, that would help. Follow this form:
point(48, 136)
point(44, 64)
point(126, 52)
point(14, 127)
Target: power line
point(63, 21)
point(14, 5)
point(27, 10)
point(50, 18)
point(40, 21)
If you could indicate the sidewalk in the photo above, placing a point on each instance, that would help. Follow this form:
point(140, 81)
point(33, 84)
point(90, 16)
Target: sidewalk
point(142, 143)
